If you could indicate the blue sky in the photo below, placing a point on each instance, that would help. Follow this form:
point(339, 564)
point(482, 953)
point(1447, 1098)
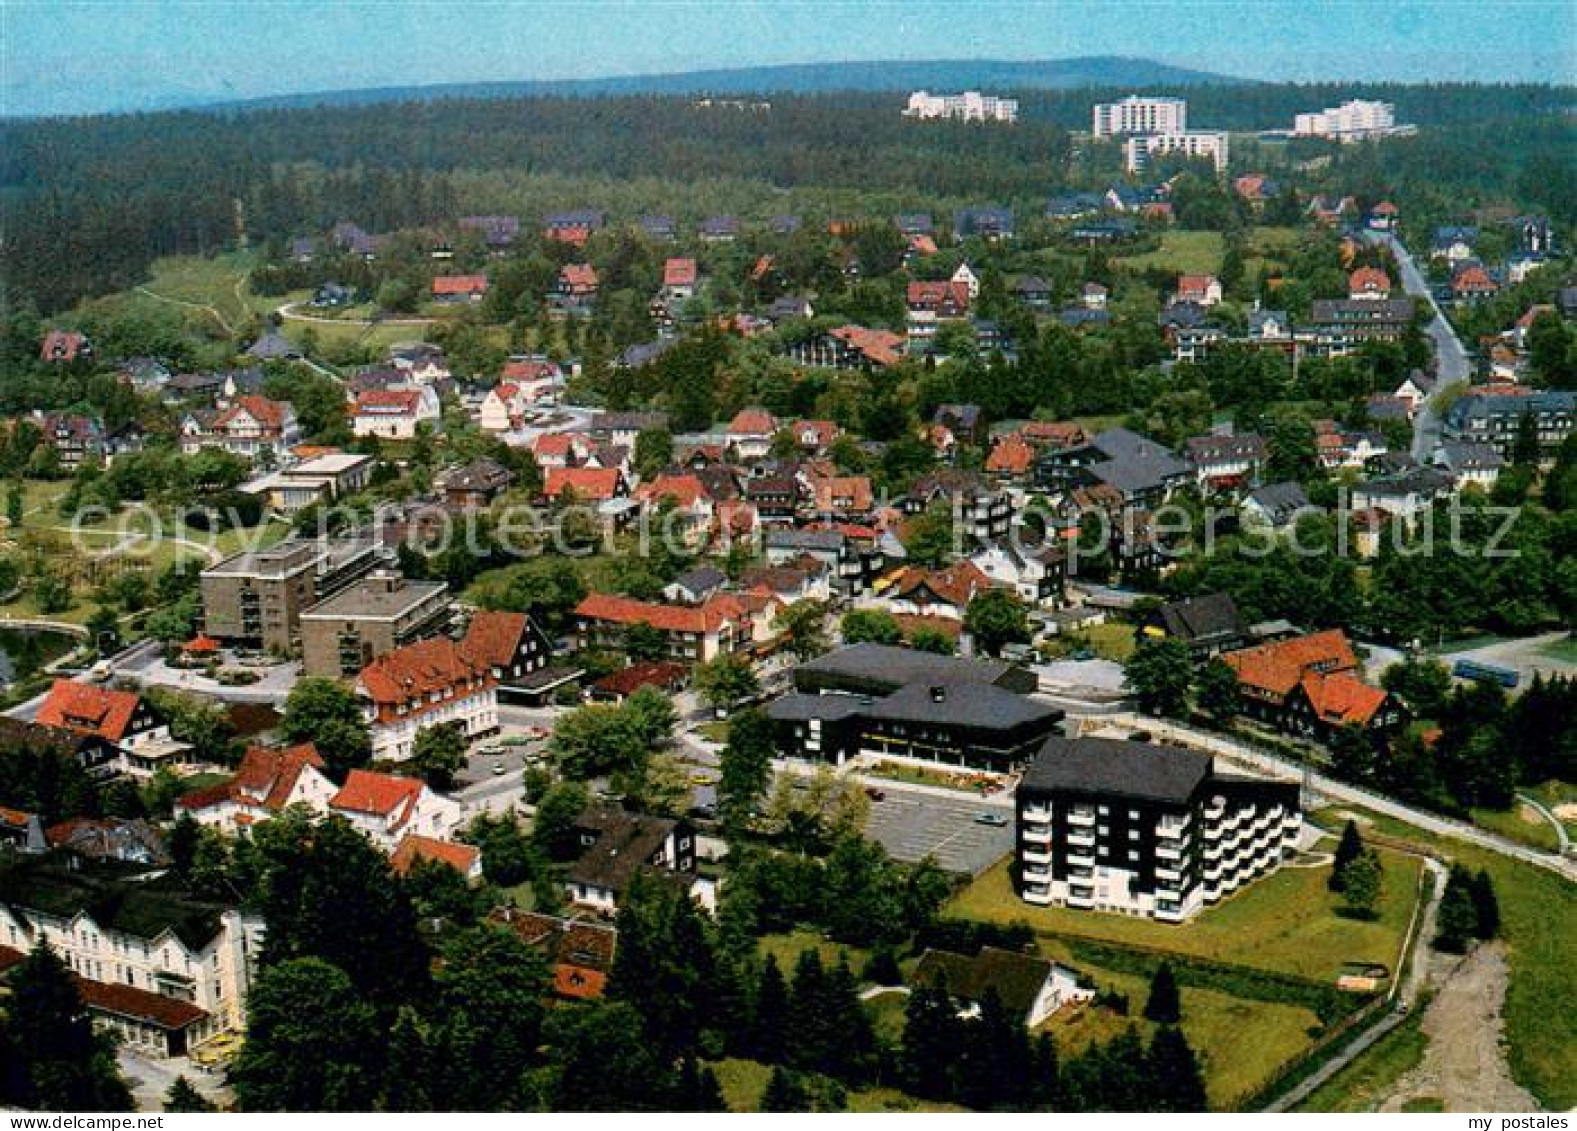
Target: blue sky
point(74, 56)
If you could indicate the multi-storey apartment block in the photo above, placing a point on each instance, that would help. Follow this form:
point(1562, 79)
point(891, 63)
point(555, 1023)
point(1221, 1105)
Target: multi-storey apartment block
point(256, 598)
point(382, 612)
point(970, 106)
point(1137, 114)
point(1136, 829)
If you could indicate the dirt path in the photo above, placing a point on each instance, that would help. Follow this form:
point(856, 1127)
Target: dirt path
point(211, 311)
point(1464, 1066)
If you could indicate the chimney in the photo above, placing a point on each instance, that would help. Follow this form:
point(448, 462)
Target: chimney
point(938, 693)
point(385, 581)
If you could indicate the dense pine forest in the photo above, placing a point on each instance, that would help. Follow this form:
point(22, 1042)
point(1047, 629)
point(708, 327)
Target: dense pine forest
point(89, 202)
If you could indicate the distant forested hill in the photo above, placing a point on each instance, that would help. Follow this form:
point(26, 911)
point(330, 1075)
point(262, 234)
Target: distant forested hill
point(87, 203)
point(817, 78)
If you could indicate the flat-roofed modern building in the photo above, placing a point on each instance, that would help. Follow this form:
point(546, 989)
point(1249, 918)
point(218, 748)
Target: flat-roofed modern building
point(1137, 114)
point(321, 479)
point(1139, 829)
point(381, 612)
point(890, 702)
point(256, 598)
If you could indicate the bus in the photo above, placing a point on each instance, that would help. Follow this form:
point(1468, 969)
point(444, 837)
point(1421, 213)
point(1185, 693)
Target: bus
point(1485, 673)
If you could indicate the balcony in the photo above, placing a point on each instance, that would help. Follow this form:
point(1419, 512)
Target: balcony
point(1031, 856)
point(1035, 832)
point(1081, 820)
point(1036, 813)
point(1168, 852)
point(1079, 859)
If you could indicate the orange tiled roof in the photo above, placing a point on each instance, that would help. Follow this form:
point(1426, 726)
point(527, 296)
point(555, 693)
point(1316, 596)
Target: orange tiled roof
point(1278, 667)
point(703, 619)
point(270, 414)
point(956, 584)
point(579, 276)
point(460, 285)
point(1368, 279)
point(752, 422)
point(847, 494)
point(86, 709)
point(461, 857)
point(1013, 456)
point(881, 346)
point(595, 483)
point(493, 638)
point(417, 670)
point(1342, 699)
point(679, 272)
point(684, 490)
point(380, 794)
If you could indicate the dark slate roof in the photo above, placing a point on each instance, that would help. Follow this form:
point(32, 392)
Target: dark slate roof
point(1113, 766)
point(897, 666)
point(1213, 614)
point(701, 578)
point(1280, 500)
point(798, 707)
point(1016, 978)
point(979, 705)
point(117, 896)
point(625, 843)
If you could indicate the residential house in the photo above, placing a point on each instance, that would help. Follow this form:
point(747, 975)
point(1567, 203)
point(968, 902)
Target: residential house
point(718, 229)
point(850, 347)
point(136, 728)
point(459, 288)
point(1454, 243)
point(1034, 292)
point(1037, 572)
point(386, 808)
point(679, 279)
point(1471, 283)
point(982, 512)
point(1406, 495)
point(693, 634)
point(253, 427)
point(1028, 988)
point(1368, 283)
point(931, 303)
point(622, 428)
point(268, 781)
point(660, 228)
point(395, 414)
point(415, 849)
point(1484, 416)
point(617, 846)
point(843, 496)
point(579, 951)
point(1477, 465)
point(1226, 463)
point(751, 433)
point(575, 291)
point(584, 484)
point(65, 346)
point(1311, 685)
point(988, 223)
point(1276, 505)
point(430, 683)
point(1205, 290)
point(944, 592)
point(1206, 625)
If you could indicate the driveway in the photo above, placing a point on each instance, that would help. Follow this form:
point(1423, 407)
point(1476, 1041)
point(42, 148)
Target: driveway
point(913, 822)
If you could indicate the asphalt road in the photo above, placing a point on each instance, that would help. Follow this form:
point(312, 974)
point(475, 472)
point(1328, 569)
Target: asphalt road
point(1452, 363)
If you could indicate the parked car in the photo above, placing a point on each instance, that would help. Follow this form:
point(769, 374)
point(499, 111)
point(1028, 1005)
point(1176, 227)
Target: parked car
point(995, 820)
point(875, 794)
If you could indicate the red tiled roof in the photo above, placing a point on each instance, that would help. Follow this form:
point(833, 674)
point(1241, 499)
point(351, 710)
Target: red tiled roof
point(826, 431)
point(383, 400)
point(597, 484)
point(956, 584)
point(579, 276)
point(922, 245)
point(61, 345)
point(1195, 284)
point(1368, 279)
point(13, 817)
point(270, 414)
point(559, 443)
point(1278, 667)
point(847, 494)
point(139, 1005)
point(762, 266)
point(533, 370)
point(679, 273)
point(932, 294)
point(1473, 278)
point(417, 670)
point(493, 638)
point(265, 777)
point(86, 709)
point(1058, 433)
point(461, 857)
point(460, 285)
point(684, 490)
point(1342, 699)
point(365, 791)
point(752, 422)
point(1012, 455)
point(706, 618)
point(629, 680)
point(881, 346)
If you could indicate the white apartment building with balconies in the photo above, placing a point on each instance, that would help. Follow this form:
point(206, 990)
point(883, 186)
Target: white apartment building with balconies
point(1149, 831)
point(1138, 114)
point(970, 106)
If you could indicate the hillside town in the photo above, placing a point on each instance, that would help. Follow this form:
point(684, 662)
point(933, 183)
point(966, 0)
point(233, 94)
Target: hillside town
point(974, 656)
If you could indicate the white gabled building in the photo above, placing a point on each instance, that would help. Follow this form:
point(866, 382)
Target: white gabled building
point(430, 683)
point(267, 782)
point(386, 809)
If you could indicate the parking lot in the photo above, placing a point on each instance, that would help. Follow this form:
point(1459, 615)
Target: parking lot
point(912, 824)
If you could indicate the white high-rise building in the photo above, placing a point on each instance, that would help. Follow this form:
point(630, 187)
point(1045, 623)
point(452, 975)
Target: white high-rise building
point(1211, 144)
point(970, 106)
point(1137, 114)
point(1350, 121)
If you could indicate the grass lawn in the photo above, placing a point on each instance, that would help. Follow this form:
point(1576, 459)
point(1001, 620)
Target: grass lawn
point(218, 282)
point(1521, 823)
point(743, 1081)
point(786, 948)
point(921, 775)
point(714, 731)
point(1537, 909)
point(1555, 794)
point(1111, 641)
point(1241, 1043)
point(1183, 252)
point(1367, 1081)
point(1286, 922)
